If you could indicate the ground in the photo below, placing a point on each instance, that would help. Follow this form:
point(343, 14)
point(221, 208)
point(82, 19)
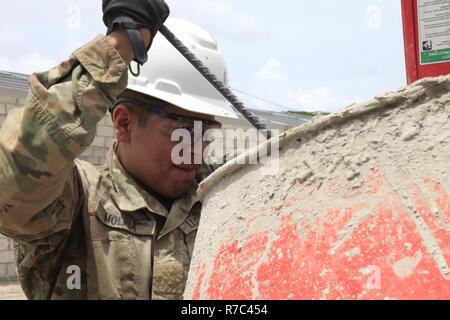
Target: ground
point(11, 291)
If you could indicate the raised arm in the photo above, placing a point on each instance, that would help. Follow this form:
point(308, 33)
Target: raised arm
point(39, 142)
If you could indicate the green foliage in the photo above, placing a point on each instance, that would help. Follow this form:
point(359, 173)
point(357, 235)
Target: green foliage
point(307, 114)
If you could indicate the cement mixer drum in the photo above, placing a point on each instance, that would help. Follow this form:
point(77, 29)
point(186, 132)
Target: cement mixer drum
point(360, 209)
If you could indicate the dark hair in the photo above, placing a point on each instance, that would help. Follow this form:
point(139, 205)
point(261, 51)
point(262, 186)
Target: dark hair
point(140, 111)
point(142, 114)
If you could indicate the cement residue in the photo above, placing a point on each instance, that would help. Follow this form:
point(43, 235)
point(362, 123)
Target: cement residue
point(405, 267)
point(402, 136)
point(11, 292)
point(169, 276)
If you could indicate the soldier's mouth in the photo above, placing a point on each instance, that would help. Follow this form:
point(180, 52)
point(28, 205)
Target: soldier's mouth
point(187, 167)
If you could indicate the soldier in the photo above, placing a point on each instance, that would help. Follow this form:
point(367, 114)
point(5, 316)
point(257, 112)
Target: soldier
point(124, 230)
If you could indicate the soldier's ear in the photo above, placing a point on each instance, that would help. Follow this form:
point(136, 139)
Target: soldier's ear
point(122, 123)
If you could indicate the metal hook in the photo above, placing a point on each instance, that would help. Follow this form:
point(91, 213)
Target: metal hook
point(136, 74)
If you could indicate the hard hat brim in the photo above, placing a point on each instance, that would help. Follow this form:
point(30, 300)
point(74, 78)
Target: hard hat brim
point(202, 105)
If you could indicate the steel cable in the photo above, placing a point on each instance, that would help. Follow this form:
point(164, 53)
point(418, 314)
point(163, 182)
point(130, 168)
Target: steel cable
point(216, 83)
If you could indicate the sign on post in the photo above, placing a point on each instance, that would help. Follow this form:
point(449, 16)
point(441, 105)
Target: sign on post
point(426, 28)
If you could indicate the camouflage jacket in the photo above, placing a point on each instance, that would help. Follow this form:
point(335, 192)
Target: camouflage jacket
point(83, 232)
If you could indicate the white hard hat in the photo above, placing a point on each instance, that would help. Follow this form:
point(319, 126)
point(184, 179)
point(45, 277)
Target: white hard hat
point(168, 76)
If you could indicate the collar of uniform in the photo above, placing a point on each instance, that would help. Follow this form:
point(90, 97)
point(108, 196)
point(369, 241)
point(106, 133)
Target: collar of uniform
point(130, 196)
point(181, 209)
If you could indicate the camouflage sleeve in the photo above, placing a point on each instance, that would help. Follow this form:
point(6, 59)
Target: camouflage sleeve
point(39, 142)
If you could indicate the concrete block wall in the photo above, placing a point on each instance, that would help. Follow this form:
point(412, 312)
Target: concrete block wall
point(7, 265)
point(98, 150)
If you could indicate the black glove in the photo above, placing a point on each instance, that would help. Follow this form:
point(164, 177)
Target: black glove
point(134, 15)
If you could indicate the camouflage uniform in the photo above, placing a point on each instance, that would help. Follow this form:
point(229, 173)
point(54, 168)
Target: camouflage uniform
point(62, 212)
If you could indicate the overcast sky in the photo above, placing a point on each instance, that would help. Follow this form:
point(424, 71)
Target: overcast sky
point(302, 55)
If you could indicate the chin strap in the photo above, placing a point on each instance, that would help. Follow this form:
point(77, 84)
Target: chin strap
point(138, 72)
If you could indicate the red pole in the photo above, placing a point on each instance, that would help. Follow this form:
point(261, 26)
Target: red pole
point(409, 35)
